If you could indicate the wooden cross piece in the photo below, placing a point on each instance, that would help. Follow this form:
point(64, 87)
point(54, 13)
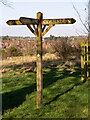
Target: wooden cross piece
point(39, 31)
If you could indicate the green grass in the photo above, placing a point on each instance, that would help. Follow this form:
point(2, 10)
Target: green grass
point(64, 95)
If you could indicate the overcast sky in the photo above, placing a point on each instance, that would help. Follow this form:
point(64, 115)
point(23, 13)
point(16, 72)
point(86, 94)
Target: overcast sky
point(50, 10)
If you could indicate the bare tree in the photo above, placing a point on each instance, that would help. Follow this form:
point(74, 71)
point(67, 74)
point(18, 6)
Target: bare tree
point(84, 23)
point(6, 3)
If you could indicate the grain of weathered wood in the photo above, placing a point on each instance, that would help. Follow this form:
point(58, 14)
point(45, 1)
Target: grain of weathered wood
point(26, 20)
point(43, 28)
point(47, 21)
point(82, 61)
point(87, 62)
point(47, 30)
point(39, 61)
point(35, 28)
point(30, 28)
point(14, 22)
point(58, 21)
point(85, 74)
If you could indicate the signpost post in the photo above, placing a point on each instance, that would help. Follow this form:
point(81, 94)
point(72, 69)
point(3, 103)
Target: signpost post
point(39, 32)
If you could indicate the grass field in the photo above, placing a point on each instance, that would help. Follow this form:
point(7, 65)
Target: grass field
point(64, 95)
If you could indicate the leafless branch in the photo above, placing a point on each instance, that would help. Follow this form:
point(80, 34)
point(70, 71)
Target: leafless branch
point(6, 3)
point(80, 18)
point(80, 31)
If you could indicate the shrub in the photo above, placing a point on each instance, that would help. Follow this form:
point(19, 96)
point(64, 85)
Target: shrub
point(4, 54)
point(62, 48)
point(5, 37)
point(77, 51)
point(15, 52)
point(30, 50)
point(44, 51)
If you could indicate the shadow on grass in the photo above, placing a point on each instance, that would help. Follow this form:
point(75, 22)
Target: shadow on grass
point(46, 64)
point(15, 98)
point(65, 73)
point(57, 96)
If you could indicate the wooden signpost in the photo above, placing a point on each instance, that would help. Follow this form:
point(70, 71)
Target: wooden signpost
point(39, 31)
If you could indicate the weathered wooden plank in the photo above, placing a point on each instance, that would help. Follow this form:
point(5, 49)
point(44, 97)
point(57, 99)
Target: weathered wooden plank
point(14, 22)
point(43, 28)
point(84, 61)
point(47, 30)
point(30, 28)
point(87, 61)
point(83, 66)
point(35, 28)
point(39, 62)
point(25, 20)
point(58, 21)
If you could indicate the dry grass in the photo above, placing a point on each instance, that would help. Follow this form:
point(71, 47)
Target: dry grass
point(28, 63)
point(23, 59)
